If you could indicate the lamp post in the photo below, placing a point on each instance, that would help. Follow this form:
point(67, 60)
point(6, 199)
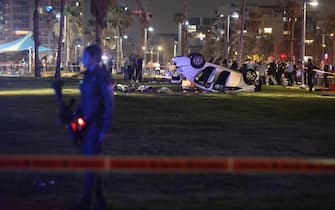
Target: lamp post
point(324, 46)
point(242, 22)
point(145, 47)
point(175, 43)
point(180, 37)
point(235, 15)
point(77, 52)
point(151, 55)
point(303, 37)
point(159, 49)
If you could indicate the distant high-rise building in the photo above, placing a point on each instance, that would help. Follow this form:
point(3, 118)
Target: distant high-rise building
point(49, 11)
point(264, 21)
point(2, 20)
point(18, 19)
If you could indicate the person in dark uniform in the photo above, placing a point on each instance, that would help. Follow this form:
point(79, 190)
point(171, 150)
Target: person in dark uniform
point(325, 76)
point(272, 69)
point(139, 64)
point(96, 107)
point(234, 65)
point(310, 74)
point(132, 67)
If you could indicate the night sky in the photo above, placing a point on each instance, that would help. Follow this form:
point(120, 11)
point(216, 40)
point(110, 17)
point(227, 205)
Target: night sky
point(163, 11)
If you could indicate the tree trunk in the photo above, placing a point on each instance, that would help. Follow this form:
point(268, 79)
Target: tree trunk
point(240, 50)
point(292, 41)
point(60, 39)
point(118, 48)
point(180, 39)
point(36, 40)
point(98, 34)
point(185, 30)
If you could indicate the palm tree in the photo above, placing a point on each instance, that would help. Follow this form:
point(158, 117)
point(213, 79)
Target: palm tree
point(36, 40)
point(60, 39)
point(179, 18)
point(293, 9)
point(99, 9)
point(74, 30)
point(118, 21)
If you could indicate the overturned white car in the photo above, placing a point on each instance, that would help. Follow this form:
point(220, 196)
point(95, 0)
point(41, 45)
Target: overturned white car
point(211, 77)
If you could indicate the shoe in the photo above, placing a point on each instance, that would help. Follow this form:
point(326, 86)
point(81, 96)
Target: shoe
point(83, 205)
point(100, 203)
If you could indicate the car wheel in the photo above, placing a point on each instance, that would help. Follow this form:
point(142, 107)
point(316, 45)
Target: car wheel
point(197, 60)
point(250, 76)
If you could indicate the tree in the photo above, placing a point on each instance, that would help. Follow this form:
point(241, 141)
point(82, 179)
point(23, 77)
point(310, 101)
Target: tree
point(117, 22)
point(293, 10)
point(37, 42)
point(99, 9)
point(74, 30)
point(60, 39)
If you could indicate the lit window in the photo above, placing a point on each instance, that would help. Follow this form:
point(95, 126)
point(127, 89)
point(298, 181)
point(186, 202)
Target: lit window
point(268, 30)
point(286, 32)
point(309, 41)
point(192, 28)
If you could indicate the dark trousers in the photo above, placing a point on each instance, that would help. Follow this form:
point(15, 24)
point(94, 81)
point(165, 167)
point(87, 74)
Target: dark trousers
point(131, 73)
point(310, 79)
point(139, 73)
point(92, 147)
point(290, 78)
point(262, 80)
point(325, 80)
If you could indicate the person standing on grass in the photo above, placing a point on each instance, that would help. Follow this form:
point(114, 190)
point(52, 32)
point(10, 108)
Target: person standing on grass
point(139, 66)
point(272, 69)
point(325, 76)
point(290, 73)
point(262, 72)
point(96, 106)
point(310, 74)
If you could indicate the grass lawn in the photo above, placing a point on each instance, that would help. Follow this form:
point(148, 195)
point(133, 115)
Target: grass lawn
point(276, 122)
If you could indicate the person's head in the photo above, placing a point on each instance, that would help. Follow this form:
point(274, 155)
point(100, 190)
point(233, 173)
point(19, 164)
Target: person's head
point(309, 60)
point(92, 57)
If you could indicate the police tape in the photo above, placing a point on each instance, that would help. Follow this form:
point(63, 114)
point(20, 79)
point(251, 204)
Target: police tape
point(166, 164)
point(323, 72)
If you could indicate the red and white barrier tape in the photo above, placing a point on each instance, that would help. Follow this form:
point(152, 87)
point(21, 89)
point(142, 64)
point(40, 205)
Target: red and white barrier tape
point(166, 164)
point(323, 72)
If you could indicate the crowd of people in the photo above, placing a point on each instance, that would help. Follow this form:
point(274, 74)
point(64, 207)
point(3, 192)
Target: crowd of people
point(133, 68)
point(290, 73)
point(284, 73)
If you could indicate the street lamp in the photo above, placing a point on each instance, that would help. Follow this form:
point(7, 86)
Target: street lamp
point(234, 15)
point(145, 47)
point(324, 45)
point(313, 3)
point(175, 45)
point(77, 50)
point(150, 28)
point(159, 49)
